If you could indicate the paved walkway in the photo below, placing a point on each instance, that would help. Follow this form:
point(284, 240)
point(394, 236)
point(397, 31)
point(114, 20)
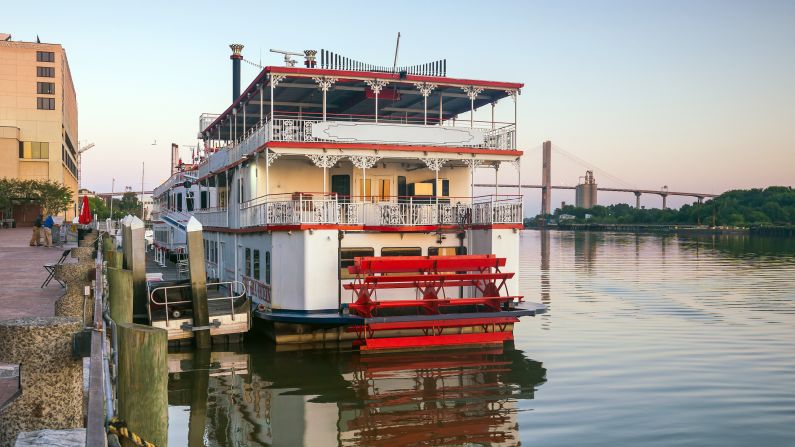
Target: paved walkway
point(21, 274)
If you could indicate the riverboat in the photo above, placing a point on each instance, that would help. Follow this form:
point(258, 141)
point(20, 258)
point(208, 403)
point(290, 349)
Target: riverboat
point(341, 196)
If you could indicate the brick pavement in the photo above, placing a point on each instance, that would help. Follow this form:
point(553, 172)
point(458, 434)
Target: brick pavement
point(21, 274)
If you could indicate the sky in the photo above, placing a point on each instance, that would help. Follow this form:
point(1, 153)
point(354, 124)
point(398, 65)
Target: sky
point(694, 95)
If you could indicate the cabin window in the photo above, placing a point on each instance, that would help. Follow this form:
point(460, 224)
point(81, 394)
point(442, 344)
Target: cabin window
point(179, 201)
point(204, 203)
point(240, 190)
point(267, 267)
point(256, 265)
point(401, 251)
point(248, 262)
point(189, 200)
point(346, 259)
point(446, 251)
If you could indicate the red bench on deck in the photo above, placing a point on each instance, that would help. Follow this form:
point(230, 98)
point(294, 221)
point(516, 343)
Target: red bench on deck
point(428, 276)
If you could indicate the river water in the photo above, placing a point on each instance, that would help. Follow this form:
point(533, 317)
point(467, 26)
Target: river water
point(649, 340)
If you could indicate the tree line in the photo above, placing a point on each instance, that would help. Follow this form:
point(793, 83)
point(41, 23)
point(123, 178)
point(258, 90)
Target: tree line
point(774, 205)
point(128, 204)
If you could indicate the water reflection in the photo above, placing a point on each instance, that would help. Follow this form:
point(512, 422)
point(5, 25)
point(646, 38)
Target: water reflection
point(257, 396)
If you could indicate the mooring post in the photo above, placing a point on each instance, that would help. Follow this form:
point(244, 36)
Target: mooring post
point(142, 387)
point(107, 243)
point(120, 296)
point(126, 240)
point(114, 258)
point(138, 266)
point(198, 283)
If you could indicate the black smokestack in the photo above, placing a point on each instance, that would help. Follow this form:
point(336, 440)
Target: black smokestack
point(236, 58)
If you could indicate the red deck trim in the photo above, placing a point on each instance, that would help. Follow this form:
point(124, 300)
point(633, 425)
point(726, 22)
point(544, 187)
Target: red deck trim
point(388, 147)
point(378, 229)
point(435, 340)
point(429, 324)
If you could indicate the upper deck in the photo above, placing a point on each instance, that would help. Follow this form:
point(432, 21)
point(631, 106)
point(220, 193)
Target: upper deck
point(348, 105)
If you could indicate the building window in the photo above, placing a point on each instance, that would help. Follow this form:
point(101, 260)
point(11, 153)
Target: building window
point(45, 103)
point(401, 251)
point(45, 88)
point(346, 259)
point(34, 150)
point(267, 267)
point(256, 265)
point(45, 56)
point(45, 72)
point(447, 251)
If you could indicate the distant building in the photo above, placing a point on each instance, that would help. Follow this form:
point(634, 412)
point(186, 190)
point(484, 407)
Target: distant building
point(38, 119)
point(585, 193)
point(566, 217)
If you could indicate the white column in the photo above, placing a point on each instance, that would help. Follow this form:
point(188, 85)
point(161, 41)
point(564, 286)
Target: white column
point(376, 85)
point(261, 101)
point(472, 92)
point(325, 83)
point(473, 163)
point(425, 89)
point(325, 161)
point(435, 164)
point(496, 179)
point(364, 162)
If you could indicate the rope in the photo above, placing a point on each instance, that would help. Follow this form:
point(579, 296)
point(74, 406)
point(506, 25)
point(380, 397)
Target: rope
point(252, 63)
point(119, 428)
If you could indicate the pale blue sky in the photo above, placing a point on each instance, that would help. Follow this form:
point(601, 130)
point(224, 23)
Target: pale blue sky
point(696, 95)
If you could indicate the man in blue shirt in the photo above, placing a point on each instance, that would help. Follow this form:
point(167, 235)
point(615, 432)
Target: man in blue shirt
point(48, 223)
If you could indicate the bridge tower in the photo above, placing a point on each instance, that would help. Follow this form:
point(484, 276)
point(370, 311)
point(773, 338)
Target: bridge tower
point(546, 178)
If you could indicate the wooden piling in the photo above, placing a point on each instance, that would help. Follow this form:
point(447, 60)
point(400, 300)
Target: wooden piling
point(198, 401)
point(137, 264)
point(120, 296)
point(115, 259)
point(198, 284)
point(142, 387)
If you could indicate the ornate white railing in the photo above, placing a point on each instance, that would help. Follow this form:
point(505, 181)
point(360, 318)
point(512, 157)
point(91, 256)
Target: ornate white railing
point(212, 217)
point(409, 213)
point(304, 210)
point(504, 211)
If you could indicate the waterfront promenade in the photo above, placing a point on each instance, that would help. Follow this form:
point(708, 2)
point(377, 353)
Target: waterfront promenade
point(21, 275)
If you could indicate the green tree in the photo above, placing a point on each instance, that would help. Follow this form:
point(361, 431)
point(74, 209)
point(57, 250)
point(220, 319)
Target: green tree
point(128, 204)
point(54, 197)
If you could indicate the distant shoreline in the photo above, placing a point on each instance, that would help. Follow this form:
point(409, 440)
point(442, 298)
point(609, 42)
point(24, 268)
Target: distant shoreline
point(670, 229)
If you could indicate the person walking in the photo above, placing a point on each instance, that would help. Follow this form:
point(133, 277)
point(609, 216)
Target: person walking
point(34, 240)
point(48, 223)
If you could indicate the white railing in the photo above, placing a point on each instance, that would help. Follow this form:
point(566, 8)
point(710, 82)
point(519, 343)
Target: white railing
point(495, 212)
point(212, 217)
point(409, 213)
point(306, 209)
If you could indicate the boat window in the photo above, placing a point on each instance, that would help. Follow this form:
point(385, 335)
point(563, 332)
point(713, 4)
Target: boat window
point(240, 190)
point(189, 200)
point(401, 251)
point(346, 259)
point(256, 265)
point(204, 200)
point(179, 201)
point(248, 262)
point(267, 267)
point(446, 251)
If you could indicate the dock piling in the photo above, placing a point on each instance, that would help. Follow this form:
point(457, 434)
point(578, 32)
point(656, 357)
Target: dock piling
point(198, 284)
point(142, 387)
point(120, 296)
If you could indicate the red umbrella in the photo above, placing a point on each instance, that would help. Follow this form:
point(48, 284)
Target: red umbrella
point(85, 212)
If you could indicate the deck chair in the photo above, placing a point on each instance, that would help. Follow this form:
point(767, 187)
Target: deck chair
point(51, 269)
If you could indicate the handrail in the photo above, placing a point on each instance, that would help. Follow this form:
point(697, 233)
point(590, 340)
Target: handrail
point(231, 298)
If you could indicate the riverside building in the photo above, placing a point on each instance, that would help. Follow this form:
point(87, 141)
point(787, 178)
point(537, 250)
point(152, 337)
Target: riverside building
point(38, 119)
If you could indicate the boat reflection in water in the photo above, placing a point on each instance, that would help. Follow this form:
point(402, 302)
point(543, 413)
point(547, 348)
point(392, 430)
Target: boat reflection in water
point(262, 397)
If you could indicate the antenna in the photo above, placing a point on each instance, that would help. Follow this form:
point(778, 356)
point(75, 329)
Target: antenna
point(288, 61)
point(397, 45)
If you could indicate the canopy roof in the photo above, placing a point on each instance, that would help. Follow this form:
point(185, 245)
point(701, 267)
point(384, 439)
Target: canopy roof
point(350, 97)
